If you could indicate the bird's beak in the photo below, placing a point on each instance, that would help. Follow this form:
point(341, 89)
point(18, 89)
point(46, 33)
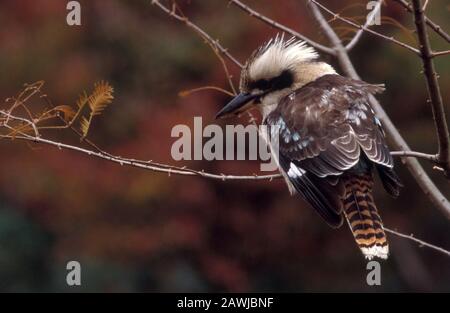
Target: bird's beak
point(239, 104)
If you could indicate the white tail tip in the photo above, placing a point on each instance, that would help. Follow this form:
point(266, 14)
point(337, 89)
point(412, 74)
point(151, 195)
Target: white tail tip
point(381, 252)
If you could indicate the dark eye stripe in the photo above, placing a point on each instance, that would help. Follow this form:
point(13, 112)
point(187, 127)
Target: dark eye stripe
point(261, 84)
point(284, 80)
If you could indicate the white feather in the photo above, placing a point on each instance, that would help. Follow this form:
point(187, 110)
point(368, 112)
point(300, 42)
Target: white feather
point(295, 171)
point(376, 251)
point(279, 55)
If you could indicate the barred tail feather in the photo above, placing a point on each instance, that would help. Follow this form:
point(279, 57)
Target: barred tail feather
point(363, 218)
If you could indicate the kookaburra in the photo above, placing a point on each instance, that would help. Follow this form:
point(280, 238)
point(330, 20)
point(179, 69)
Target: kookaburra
point(330, 141)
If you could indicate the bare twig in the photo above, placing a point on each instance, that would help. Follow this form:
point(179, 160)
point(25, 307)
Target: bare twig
point(27, 122)
point(154, 166)
point(430, 157)
point(224, 66)
point(439, 53)
point(369, 21)
point(147, 165)
point(424, 181)
point(366, 29)
point(281, 27)
point(434, 91)
point(419, 241)
point(339, 48)
point(197, 29)
point(185, 93)
point(429, 22)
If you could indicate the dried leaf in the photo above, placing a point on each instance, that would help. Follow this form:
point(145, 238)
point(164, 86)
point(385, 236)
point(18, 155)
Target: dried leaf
point(84, 126)
point(82, 100)
point(67, 111)
point(100, 97)
point(98, 100)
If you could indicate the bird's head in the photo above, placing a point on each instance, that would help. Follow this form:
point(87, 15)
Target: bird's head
point(273, 71)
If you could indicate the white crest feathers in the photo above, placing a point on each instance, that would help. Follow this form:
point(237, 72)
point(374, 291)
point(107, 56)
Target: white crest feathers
point(278, 55)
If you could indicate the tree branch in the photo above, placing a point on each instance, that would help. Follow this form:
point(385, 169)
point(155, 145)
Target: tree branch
point(165, 168)
point(364, 28)
point(433, 89)
point(197, 29)
point(439, 53)
point(429, 22)
point(146, 165)
point(420, 242)
point(369, 21)
point(430, 157)
point(281, 27)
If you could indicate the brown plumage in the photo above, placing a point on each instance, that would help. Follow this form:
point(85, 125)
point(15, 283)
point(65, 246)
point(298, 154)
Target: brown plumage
point(362, 214)
point(324, 135)
point(329, 144)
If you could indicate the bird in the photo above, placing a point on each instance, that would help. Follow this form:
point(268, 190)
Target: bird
point(329, 141)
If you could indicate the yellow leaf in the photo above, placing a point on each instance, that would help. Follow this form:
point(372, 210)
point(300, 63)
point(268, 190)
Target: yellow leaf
point(82, 100)
point(100, 97)
point(67, 110)
point(84, 126)
point(98, 100)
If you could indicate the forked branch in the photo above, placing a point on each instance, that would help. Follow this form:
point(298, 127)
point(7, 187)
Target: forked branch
point(434, 92)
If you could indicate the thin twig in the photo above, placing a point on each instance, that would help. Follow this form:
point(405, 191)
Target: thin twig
point(369, 21)
point(199, 30)
point(340, 51)
point(8, 116)
point(281, 27)
point(430, 157)
point(147, 165)
point(362, 27)
point(434, 91)
point(438, 29)
point(185, 93)
point(419, 241)
point(440, 53)
point(165, 168)
point(225, 67)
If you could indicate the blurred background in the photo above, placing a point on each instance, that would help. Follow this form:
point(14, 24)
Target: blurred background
point(135, 230)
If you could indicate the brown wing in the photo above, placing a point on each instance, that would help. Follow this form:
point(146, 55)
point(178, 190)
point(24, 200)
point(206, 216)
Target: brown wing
point(320, 131)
